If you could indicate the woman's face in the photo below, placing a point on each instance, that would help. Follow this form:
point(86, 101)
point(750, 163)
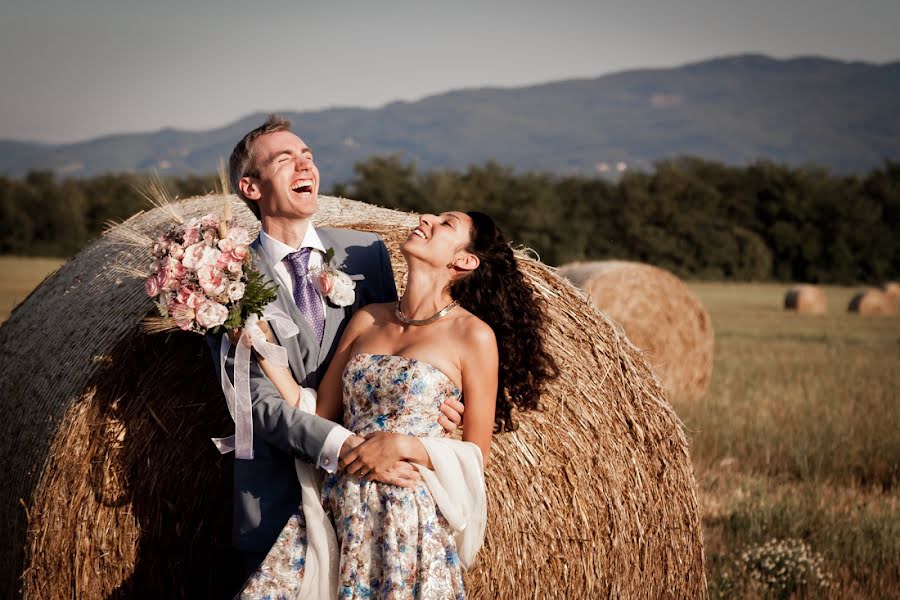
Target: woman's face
point(439, 239)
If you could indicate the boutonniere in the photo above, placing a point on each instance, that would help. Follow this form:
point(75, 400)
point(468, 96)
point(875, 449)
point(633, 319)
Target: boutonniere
point(334, 284)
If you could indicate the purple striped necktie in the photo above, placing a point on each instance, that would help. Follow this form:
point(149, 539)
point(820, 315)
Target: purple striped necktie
point(306, 293)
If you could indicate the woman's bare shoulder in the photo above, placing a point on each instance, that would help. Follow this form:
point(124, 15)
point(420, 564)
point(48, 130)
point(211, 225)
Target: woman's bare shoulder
point(378, 311)
point(475, 331)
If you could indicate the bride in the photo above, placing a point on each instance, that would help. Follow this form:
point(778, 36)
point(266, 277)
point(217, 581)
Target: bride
point(467, 327)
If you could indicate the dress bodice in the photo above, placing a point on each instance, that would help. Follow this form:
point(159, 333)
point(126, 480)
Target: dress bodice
point(385, 392)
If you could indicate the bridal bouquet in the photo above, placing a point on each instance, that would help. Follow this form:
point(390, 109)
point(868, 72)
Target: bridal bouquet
point(202, 277)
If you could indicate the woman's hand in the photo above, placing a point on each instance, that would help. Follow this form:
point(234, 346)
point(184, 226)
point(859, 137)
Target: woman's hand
point(375, 457)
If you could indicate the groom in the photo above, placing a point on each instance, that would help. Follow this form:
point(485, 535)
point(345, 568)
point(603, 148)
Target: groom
point(274, 172)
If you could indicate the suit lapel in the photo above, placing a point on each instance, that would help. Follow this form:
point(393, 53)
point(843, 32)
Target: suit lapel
point(334, 315)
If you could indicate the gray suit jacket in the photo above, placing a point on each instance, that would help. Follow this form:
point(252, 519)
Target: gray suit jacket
point(266, 491)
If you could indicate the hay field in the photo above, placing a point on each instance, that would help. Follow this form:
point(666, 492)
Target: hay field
point(18, 276)
point(798, 436)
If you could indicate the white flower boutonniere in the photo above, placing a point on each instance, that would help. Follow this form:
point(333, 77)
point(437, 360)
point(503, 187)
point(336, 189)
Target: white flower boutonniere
point(334, 284)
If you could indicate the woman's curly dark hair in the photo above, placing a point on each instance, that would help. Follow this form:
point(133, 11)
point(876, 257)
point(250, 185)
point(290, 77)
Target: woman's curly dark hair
point(497, 294)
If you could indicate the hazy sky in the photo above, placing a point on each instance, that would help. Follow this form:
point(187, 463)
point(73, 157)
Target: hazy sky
point(76, 69)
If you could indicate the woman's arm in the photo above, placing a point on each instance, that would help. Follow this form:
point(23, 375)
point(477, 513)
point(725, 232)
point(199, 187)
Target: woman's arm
point(480, 367)
point(328, 400)
point(281, 377)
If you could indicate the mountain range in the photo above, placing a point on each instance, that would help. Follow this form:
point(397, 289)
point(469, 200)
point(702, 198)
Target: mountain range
point(837, 114)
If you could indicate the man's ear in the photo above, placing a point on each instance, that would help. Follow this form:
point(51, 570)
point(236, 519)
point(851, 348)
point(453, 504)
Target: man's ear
point(466, 261)
point(250, 188)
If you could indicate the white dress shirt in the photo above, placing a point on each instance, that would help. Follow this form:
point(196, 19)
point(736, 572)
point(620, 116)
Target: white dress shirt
point(276, 251)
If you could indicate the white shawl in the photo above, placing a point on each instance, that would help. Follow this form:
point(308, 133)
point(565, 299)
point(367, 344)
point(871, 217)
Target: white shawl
point(457, 486)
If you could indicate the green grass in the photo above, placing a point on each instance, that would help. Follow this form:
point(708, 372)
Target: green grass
point(20, 275)
point(798, 437)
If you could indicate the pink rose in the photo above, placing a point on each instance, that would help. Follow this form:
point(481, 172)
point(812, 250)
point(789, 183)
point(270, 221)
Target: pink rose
point(239, 252)
point(173, 266)
point(211, 314)
point(166, 280)
point(325, 283)
point(211, 280)
point(239, 236)
point(151, 286)
point(209, 221)
point(235, 267)
point(191, 236)
point(183, 315)
point(224, 259)
point(226, 245)
point(196, 299)
point(209, 237)
point(184, 293)
point(176, 251)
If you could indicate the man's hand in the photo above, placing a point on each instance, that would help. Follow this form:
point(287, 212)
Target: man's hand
point(349, 444)
point(376, 456)
point(452, 417)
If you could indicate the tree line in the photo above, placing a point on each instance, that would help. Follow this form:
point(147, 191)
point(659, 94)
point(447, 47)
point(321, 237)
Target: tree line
point(697, 218)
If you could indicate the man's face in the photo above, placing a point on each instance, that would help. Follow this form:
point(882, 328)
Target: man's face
point(288, 182)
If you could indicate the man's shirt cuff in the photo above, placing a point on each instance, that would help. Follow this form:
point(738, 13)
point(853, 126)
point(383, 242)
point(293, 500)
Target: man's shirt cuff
point(331, 449)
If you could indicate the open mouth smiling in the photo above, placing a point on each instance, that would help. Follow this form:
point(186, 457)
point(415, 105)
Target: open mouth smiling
point(303, 186)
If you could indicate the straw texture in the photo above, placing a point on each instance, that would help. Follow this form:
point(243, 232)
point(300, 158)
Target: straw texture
point(806, 299)
point(106, 443)
point(659, 314)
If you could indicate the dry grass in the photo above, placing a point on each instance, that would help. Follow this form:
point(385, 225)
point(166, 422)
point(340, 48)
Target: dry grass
point(18, 276)
point(798, 436)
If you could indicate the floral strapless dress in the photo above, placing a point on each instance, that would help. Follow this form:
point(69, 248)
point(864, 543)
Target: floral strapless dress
point(394, 542)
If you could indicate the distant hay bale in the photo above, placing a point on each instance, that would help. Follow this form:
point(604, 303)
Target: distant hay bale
point(659, 314)
point(806, 299)
point(892, 289)
point(873, 302)
point(113, 489)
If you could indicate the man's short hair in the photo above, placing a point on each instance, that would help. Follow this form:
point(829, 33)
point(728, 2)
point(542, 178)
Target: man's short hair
point(241, 164)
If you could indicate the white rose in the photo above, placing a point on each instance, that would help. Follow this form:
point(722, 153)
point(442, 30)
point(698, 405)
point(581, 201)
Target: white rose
point(239, 236)
point(342, 293)
point(210, 256)
point(235, 291)
point(211, 314)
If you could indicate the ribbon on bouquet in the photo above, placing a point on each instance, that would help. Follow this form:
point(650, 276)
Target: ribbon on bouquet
point(237, 396)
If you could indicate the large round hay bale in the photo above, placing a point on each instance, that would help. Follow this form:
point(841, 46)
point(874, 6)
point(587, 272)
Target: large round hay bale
point(892, 289)
point(807, 299)
point(113, 489)
point(873, 302)
point(659, 314)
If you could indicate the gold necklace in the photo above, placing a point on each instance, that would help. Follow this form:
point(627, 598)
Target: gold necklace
point(407, 321)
